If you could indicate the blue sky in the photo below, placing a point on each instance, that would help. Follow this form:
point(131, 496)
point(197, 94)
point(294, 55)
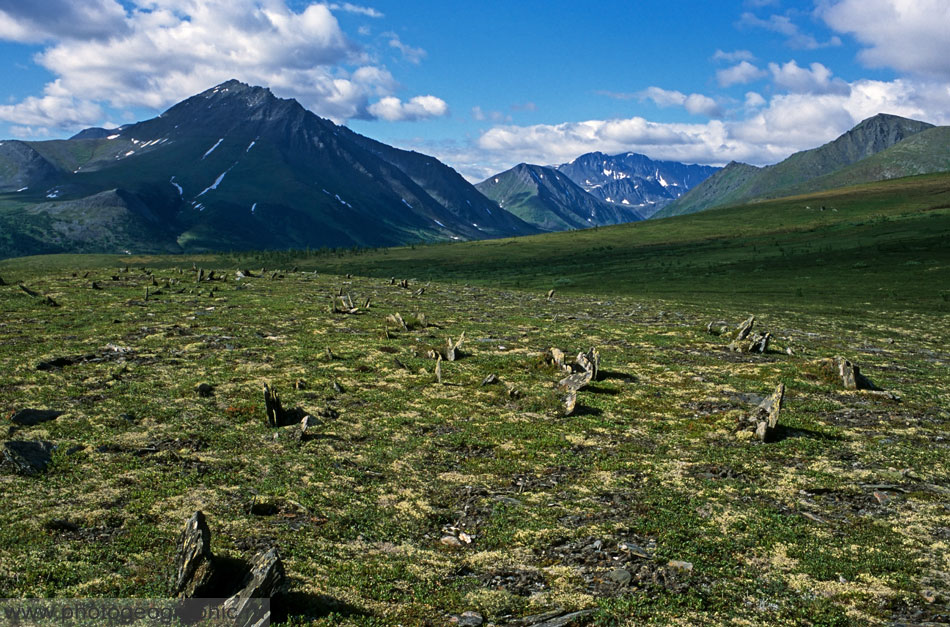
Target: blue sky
point(484, 86)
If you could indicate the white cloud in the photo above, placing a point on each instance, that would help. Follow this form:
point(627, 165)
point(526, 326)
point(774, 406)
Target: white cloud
point(480, 115)
point(353, 8)
point(768, 131)
point(696, 104)
point(754, 100)
point(159, 52)
point(739, 74)
point(817, 79)
point(734, 56)
point(28, 132)
point(784, 25)
point(908, 35)
point(413, 55)
point(663, 97)
point(418, 108)
point(54, 109)
point(34, 22)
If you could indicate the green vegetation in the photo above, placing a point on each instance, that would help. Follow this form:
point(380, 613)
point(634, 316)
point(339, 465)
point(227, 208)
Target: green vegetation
point(877, 245)
point(840, 521)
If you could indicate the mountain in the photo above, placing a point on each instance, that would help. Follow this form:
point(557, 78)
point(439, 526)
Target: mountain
point(634, 180)
point(550, 200)
point(737, 185)
point(926, 152)
point(232, 168)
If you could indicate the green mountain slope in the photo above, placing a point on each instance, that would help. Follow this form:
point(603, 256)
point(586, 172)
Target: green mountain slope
point(924, 153)
point(874, 243)
point(782, 179)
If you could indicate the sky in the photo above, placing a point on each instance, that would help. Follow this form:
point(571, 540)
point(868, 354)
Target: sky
point(486, 85)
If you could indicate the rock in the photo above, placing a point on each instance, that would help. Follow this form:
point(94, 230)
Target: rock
point(759, 343)
point(396, 320)
point(589, 362)
point(468, 619)
point(576, 381)
point(620, 576)
point(30, 417)
point(570, 402)
point(764, 419)
point(490, 380)
point(308, 425)
point(438, 369)
point(204, 390)
point(274, 413)
point(300, 384)
point(28, 457)
point(744, 329)
point(565, 619)
point(272, 407)
point(2, 282)
point(550, 294)
point(450, 541)
point(194, 566)
point(635, 550)
point(452, 349)
point(681, 565)
point(553, 357)
point(840, 369)
point(266, 580)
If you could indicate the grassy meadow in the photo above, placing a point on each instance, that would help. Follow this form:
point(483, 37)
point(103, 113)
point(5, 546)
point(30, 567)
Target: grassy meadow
point(416, 500)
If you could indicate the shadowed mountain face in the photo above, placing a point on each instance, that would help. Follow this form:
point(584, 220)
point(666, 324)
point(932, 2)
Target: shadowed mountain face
point(635, 180)
point(233, 168)
point(831, 165)
point(551, 201)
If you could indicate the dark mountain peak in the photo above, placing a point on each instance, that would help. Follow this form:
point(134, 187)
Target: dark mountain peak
point(889, 119)
point(93, 133)
point(887, 127)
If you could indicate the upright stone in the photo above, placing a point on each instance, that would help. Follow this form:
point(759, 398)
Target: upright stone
point(766, 414)
point(194, 566)
point(744, 329)
point(266, 580)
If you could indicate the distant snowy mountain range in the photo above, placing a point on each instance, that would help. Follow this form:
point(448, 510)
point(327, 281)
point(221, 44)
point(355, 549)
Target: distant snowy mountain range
point(593, 190)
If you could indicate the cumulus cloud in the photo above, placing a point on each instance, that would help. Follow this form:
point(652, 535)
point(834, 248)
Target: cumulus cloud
point(754, 100)
point(696, 104)
point(160, 51)
point(910, 36)
point(34, 22)
point(784, 25)
point(418, 108)
point(816, 79)
point(739, 74)
point(767, 132)
point(54, 108)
